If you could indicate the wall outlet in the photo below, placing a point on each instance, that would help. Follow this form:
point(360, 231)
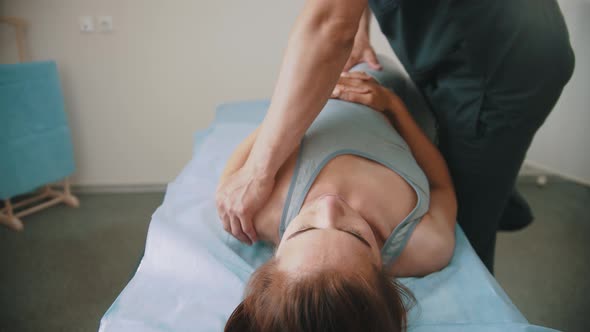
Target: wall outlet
point(105, 23)
point(86, 23)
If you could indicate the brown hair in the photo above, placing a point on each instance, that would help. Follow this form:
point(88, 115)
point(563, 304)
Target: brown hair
point(324, 301)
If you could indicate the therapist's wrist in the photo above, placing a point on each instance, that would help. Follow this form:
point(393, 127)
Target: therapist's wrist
point(260, 171)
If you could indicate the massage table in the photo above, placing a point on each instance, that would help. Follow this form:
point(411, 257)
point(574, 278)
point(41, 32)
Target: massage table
point(192, 274)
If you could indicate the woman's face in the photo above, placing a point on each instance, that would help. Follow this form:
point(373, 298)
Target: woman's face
point(328, 233)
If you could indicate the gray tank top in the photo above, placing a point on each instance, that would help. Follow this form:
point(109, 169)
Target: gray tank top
point(349, 128)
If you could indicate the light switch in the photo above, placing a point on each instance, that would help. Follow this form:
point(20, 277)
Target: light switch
point(105, 23)
point(86, 23)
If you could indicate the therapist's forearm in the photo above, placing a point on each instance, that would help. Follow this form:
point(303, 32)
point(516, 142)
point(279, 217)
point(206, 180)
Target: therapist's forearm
point(318, 47)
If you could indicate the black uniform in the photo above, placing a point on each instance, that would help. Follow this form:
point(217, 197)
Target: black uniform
point(491, 71)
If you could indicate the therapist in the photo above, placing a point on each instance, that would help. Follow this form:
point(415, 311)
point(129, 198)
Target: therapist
point(491, 71)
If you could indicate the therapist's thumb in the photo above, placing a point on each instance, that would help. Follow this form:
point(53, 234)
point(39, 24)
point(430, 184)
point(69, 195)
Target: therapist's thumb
point(372, 60)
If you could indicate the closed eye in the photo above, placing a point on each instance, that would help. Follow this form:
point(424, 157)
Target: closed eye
point(351, 232)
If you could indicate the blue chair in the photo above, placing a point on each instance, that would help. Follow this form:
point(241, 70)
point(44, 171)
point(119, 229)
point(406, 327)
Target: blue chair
point(35, 141)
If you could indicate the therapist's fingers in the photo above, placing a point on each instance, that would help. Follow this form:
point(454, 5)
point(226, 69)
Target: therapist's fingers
point(248, 229)
point(225, 221)
point(361, 75)
point(371, 59)
point(236, 231)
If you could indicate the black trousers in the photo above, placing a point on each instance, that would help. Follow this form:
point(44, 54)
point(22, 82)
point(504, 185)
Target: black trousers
point(491, 71)
point(484, 166)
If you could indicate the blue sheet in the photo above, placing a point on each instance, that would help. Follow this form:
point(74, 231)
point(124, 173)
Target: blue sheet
point(193, 273)
point(35, 140)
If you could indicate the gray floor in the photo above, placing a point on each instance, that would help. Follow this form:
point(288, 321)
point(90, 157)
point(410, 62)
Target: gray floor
point(67, 267)
point(545, 269)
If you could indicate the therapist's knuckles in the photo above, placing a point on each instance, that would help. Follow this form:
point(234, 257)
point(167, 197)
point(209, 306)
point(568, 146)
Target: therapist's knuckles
point(240, 209)
point(243, 229)
point(220, 198)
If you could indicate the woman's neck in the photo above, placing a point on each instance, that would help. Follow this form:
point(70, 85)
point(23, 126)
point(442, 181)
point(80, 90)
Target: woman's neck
point(268, 221)
point(267, 224)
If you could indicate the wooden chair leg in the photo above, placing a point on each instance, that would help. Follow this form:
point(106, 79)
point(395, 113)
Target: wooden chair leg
point(9, 219)
point(69, 198)
point(43, 199)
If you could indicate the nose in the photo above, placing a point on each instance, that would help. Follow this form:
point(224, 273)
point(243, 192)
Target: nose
point(332, 208)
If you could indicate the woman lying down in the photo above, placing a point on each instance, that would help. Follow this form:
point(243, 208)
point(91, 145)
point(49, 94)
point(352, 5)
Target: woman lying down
point(365, 198)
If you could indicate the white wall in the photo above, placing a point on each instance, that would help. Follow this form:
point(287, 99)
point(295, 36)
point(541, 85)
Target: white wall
point(134, 97)
point(563, 143)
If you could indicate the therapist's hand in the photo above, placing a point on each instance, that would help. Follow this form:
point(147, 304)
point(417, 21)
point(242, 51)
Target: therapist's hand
point(361, 88)
point(362, 51)
point(239, 198)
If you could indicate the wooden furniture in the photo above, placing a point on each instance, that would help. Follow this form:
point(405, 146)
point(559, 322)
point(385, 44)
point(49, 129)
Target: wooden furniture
point(48, 195)
point(45, 197)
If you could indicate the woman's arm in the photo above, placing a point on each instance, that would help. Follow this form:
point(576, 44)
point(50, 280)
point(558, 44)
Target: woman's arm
point(238, 157)
point(431, 246)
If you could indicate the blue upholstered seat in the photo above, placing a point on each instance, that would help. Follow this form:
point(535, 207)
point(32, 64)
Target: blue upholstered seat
point(35, 140)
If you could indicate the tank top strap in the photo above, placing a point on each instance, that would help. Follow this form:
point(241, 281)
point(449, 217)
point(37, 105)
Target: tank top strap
point(349, 128)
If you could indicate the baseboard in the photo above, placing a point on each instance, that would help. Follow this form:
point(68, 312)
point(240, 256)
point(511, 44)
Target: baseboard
point(530, 168)
point(539, 170)
point(123, 188)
